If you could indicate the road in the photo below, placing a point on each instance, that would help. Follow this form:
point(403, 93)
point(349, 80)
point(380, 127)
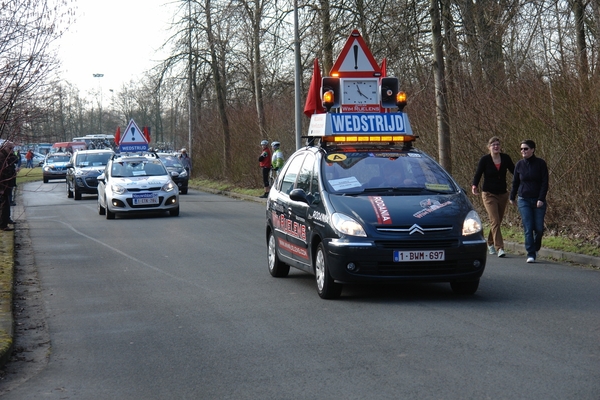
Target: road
point(184, 307)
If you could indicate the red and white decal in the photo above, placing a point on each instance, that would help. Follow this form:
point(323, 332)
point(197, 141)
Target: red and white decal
point(381, 211)
point(292, 248)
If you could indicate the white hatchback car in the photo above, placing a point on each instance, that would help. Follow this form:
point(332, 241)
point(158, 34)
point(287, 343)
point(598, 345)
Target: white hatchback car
point(136, 184)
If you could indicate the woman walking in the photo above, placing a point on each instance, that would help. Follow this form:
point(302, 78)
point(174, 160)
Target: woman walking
point(493, 168)
point(530, 182)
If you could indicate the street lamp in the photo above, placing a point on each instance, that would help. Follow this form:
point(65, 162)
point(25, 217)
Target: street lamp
point(100, 76)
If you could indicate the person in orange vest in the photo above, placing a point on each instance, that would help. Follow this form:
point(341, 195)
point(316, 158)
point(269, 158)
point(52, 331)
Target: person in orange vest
point(264, 160)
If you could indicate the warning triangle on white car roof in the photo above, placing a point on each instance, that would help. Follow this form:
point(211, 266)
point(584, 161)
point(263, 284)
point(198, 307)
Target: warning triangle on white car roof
point(133, 135)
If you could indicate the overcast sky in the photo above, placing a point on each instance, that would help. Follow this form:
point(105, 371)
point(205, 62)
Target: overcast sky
point(117, 38)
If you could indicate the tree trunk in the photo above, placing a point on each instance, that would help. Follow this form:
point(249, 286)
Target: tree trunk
point(441, 101)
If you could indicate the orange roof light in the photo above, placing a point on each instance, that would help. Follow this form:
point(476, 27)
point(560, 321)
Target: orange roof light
point(401, 100)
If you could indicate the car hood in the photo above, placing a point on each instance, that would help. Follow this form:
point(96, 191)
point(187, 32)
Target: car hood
point(90, 170)
point(141, 182)
point(57, 164)
point(402, 210)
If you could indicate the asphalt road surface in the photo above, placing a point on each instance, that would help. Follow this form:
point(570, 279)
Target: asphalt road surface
point(159, 307)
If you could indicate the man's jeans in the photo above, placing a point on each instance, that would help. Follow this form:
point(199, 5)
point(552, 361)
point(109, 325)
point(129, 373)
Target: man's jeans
point(533, 223)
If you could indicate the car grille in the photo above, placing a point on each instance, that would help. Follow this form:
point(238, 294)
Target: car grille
point(91, 182)
point(136, 190)
point(160, 201)
point(418, 244)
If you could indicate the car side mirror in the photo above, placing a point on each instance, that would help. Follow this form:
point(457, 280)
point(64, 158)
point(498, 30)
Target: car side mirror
point(300, 195)
point(101, 177)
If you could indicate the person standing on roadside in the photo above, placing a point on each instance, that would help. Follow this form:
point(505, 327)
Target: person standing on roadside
point(493, 167)
point(7, 176)
point(186, 161)
point(530, 183)
point(264, 161)
point(277, 160)
point(29, 159)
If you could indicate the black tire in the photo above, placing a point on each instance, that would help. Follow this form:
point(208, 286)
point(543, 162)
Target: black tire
point(76, 193)
point(326, 286)
point(101, 210)
point(69, 192)
point(465, 288)
point(45, 180)
point(174, 212)
point(276, 268)
point(109, 214)
point(184, 191)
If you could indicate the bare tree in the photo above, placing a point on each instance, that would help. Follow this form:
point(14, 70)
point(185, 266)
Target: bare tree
point(27, 29)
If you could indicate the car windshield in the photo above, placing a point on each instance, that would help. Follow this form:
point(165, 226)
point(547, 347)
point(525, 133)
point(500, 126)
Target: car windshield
point(92, 160)
point(396, 171)
point(124, 169)
point(171, 161)
point(53, 159)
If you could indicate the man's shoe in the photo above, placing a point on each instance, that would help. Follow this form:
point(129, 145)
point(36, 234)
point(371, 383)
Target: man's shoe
point(530, 259)
point(491, 249)
point(264, 195)
point(6, 228)
point(501, 253)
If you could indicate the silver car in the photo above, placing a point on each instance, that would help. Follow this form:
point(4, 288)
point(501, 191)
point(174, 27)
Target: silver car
point(136, 184)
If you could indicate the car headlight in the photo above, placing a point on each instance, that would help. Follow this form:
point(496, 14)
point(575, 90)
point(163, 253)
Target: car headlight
point(48, 168)
point(117, 189)
point(183, 174)
point(346, 225)
point(169, 187)
point(471, 224)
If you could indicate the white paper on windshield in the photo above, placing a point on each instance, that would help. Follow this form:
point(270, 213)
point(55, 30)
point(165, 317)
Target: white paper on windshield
point(345, 183)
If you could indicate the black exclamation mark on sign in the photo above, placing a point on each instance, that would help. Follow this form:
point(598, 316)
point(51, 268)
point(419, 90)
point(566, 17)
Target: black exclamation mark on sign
point(132, 133)
point(355, 56)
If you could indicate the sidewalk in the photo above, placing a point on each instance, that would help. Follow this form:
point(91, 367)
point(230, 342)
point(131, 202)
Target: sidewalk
point(7, 263)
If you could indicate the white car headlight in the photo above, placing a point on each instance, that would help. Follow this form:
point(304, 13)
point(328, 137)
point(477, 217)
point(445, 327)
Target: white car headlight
point(117, 189)
point(471, 224)
point(346, 225)
point(183, 173)
point(169, 187)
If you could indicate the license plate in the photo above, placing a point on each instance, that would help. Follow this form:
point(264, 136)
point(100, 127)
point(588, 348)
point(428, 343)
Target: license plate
point(423, 255)
point(145, 198)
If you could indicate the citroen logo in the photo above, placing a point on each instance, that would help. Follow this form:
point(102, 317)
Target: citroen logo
point(415, 229)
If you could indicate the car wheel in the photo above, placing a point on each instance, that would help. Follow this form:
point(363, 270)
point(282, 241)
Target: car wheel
point(174, 212)
point(326, 286)
point(465, 288)
point(76, 193)
point(277, 268)
point(69, 192)
point(184, 191)
point(101, 210)
point(45, 180)
point(109, 214)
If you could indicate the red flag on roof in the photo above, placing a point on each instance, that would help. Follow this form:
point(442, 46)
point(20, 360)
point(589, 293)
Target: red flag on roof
point(146, 131)
point(118, 135)
point(313, 104)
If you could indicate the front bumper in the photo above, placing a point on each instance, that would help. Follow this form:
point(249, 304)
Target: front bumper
point(372, 261)
point(124, 203)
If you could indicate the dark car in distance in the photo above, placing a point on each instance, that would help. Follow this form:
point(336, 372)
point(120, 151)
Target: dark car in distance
point(178, 172)
point(83, 170)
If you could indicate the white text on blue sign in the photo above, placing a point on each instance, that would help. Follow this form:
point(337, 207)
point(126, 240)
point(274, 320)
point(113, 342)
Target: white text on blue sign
point(368, 123)
point(133, 147)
